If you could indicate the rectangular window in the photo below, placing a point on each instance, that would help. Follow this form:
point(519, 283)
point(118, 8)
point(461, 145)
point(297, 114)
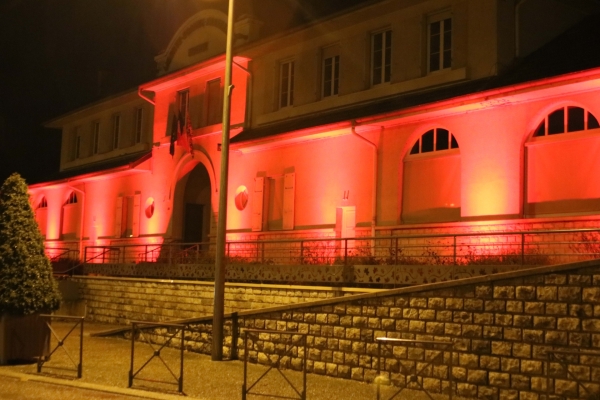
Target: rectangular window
point(139, 125)
point(116, 132)
point(286, 84)
point(95, 137)
point(440, 44)
point(75, 141)
point(183, 97)
point(214, 106)
point(331, 74)
point(78, 146)
point(381, 57)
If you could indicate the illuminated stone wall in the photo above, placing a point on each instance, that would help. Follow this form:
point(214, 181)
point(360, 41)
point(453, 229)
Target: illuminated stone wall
point(502, 328)
point(120, 300)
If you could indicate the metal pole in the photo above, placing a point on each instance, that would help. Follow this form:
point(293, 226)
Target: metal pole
point(219, 302)
point(80, 366)
point(379, 370)
point(244, 385)
point(132, 347)
point(180, 380)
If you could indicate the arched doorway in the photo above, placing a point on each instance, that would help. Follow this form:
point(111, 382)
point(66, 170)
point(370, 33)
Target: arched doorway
point(196, 206)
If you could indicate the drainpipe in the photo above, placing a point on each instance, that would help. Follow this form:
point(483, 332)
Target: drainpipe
point(143, 96)
point(374, 192)
point(81, 219)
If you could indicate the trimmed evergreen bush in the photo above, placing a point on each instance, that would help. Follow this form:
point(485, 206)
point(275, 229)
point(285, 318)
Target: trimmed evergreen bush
point(26, 282)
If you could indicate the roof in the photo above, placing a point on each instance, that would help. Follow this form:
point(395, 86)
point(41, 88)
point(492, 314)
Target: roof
point(570, 52)
point(129, 161)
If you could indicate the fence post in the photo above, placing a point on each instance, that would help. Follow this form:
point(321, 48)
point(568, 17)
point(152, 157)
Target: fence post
point(234, 336)
point(396, 252)
point(302, 252)
point(132, 347)
point(345, 251)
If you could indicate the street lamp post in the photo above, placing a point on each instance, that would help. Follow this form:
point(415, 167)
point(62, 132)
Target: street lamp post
point(220, 262)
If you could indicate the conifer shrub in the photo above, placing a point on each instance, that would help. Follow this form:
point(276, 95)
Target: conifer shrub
point(26, 282)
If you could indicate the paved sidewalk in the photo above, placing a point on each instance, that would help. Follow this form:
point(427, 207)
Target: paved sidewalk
point(106, 363)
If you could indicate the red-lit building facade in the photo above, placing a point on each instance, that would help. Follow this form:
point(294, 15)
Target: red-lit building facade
point(393, 117)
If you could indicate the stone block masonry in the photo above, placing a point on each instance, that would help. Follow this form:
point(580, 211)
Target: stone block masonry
point(513, 334)
point(120, 300)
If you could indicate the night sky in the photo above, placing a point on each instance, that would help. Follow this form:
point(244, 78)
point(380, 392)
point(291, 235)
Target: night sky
point(53, 51)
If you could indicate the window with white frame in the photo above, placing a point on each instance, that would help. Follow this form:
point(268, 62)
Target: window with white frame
point(183, 98)
point(139, 124)
point(439, 43)
point(286, 84)
point(116, 131)
point(75, 143)
point(214, 106)
point(95, 137)
point(331, 71)
point(381, 57)
point(127, 216)
point(78, 145)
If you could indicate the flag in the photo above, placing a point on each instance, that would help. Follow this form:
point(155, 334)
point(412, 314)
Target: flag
point(188, 134)
point(174, 129)
point(184, 133)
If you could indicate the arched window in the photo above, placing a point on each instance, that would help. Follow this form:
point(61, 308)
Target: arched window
point(431, 179)
point(72, 199)
point(566, 119)
point(41, 215)
point(43, 203)
point(70, 217)
point(562, 164)
point(434, 140)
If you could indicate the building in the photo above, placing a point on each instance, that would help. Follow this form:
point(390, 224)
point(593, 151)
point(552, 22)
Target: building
point(388, 117)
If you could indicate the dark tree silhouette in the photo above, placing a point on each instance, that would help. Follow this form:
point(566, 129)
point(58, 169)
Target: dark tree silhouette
point(26, 282)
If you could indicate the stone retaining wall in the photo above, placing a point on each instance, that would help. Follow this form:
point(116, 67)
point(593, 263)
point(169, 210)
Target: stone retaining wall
point(502, 327)
point(120, 300)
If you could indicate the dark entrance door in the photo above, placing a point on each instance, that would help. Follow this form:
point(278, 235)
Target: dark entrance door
point(193, 223)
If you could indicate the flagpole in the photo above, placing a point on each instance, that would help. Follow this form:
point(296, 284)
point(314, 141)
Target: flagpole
point(220, 261)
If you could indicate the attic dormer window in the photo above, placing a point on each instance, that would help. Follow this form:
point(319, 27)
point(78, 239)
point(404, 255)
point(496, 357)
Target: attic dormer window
point(201, 48)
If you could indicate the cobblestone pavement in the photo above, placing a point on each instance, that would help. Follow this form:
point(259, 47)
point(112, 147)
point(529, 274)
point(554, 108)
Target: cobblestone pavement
point(106, 363)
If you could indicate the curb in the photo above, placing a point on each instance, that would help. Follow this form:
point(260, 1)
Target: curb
point(93, 386)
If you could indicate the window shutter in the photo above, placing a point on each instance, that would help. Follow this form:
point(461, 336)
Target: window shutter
point(118, 216)
point(135, 229)
point(257, 204)
point(289, 190)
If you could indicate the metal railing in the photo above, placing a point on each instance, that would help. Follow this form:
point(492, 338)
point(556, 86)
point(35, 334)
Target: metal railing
point(478, 248)
point(156, 352)
point(60, 344)
point(58, 254)
point(287, 351)
point(566, 359)
point(411, 369)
